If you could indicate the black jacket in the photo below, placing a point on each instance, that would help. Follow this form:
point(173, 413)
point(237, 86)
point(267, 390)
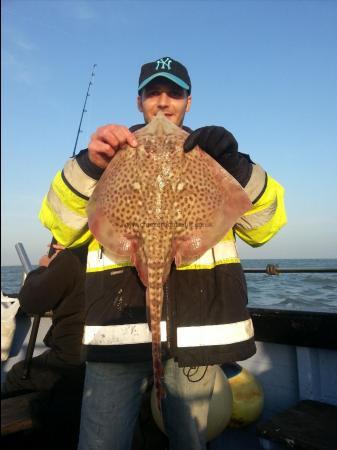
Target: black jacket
point(58, 288)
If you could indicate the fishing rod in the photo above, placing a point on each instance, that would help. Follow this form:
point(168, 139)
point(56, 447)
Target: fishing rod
point(273, 269)
point(84, 110)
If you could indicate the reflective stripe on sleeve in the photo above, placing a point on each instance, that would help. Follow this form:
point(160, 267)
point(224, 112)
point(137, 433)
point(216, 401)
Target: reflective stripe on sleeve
point(215, 334)
point(67, 236)
point(77, 179)
point(266, 218)
point(256, 183)
point(134, 333)
point(258, 219)
point(64, 214)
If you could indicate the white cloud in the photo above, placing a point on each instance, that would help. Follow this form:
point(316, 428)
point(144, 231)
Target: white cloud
point(17, 50)
point(24, 44)
point(14, 37)
point(16, 69)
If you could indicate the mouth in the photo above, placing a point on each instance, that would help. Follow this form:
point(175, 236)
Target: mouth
point(163, 111)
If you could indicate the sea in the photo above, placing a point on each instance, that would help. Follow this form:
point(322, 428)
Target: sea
point(293, 291)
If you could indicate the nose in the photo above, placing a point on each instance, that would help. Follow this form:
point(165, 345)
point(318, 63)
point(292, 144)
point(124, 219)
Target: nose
point(163, 100)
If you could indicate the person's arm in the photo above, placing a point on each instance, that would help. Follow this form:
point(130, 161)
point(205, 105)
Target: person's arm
point(63, 209)
point(268, 214)
point(46, 286)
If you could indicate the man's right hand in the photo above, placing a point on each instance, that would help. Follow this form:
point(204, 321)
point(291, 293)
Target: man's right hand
point(106, 141)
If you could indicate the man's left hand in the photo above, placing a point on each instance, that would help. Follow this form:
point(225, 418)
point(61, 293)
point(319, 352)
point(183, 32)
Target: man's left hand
point(223, 147)
point(216, 141)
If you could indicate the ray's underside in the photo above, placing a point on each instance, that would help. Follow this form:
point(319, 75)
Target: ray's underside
point(155, 204)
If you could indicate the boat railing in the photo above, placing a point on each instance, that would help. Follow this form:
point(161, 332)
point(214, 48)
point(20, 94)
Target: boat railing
point(274, 269)
point(270, 269)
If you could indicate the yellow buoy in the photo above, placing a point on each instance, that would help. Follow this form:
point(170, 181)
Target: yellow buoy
point(247, 394)
point(220, 409)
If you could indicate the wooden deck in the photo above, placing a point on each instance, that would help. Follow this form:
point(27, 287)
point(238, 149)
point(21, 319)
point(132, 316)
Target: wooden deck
point(16, 413)
point(309, 425)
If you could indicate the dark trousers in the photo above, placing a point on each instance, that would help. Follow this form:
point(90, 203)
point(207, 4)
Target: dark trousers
point(45, 373)
point(59, 410)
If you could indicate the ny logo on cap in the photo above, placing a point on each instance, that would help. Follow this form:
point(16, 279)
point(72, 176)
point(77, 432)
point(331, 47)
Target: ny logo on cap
point(164, 64)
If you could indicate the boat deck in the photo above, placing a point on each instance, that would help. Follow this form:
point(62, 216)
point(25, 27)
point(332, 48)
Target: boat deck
point(287, 368)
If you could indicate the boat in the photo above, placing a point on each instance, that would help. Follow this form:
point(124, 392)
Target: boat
point(296, 360)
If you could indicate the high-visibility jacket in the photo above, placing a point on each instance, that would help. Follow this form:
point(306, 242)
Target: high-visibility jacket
point(204, 320)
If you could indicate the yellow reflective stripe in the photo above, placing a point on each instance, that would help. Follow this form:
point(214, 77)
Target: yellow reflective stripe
point(108, 267)
point(94, 245)
point(224, 252)
point(274, 194)
point(257, 219)
point(79, 180)
point(272, 191)
point(68, 217)
point(64, 234)
point(132, 333)
point(64, 214)
point(256, 182)
point(210, 266)
point(223, 334)
point(98, 261)
point(69, 198)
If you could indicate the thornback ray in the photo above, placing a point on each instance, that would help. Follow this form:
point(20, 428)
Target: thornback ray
point(156, 204)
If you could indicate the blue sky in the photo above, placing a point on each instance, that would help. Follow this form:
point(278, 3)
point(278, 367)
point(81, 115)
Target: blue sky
point(265, 70)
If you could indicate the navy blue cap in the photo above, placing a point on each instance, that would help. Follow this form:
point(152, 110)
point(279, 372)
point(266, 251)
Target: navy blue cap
point(168, 68)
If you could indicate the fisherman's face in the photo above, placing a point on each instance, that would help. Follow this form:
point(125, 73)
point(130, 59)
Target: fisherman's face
point(165, 96)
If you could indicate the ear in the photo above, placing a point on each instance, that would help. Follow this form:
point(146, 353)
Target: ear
point(139, 103)
point(188, 104)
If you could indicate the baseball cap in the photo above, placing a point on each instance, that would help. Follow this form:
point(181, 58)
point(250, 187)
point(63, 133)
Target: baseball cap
point(165, 67)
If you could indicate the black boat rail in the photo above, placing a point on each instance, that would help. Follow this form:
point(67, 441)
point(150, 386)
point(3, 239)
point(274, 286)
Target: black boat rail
point(274, 269)
point(270, 269)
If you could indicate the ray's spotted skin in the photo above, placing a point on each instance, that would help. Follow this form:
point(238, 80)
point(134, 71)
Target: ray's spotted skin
point(155, 204)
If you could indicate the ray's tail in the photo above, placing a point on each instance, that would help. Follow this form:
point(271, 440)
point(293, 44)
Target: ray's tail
point(154, 304)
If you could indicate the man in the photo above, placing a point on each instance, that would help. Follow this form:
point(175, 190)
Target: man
point(57, 285)
point(204, 303)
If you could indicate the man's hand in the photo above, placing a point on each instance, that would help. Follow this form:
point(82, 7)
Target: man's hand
point(106, 141)
point(45, 260)
point(216, 141)
point(223, 147)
